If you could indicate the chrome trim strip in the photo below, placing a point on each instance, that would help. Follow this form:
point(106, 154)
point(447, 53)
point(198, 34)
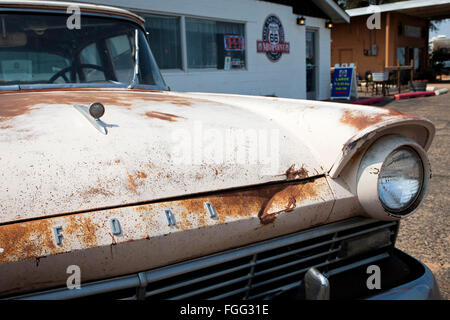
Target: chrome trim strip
point(216, 286)
point(277, 290)
point(293, 263)
point(136, 60)
point(38, 86)
point(356, 264)
point(229, 294)
point(9, 88)
point(287, 275)
point(62, 11)
point(91, 289)
point(199, 279)
point(41, 86)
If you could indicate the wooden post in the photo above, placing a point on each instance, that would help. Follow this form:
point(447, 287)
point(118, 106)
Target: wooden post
point(388, 46)
point(398, 76)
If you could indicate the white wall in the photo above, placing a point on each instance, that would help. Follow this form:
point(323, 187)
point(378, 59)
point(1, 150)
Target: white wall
point(284, 78)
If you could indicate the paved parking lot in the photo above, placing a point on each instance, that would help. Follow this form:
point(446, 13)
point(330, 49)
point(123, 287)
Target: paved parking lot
point(425, 234)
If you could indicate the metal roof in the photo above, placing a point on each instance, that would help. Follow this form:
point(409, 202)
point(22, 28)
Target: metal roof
point(428, 9)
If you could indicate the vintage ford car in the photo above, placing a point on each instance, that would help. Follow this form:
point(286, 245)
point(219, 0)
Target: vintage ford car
point(113, 186)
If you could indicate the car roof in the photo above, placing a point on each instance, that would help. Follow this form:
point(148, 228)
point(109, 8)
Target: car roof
point(59, 5)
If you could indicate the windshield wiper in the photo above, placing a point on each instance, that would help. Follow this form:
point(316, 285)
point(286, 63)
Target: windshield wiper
point(136, 60)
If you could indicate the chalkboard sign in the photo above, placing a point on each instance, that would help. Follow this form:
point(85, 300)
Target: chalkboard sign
point(344, 82)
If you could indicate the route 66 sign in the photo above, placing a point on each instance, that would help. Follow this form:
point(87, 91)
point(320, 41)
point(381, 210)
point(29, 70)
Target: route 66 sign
point(273, 43)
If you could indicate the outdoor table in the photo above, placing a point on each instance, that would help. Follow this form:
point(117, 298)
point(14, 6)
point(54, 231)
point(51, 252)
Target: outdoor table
point(383, 86)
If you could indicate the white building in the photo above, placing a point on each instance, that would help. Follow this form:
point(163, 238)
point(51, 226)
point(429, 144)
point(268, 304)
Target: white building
point(438, 42)
point(212, 45)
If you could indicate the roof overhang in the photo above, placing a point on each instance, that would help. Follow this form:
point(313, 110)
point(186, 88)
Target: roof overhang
point(328, 9)
point(426, 9)
point(331, 9)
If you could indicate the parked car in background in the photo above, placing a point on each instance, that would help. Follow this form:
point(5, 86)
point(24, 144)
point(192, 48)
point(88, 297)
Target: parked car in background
point(152, 194)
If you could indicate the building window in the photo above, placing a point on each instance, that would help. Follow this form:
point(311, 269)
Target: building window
point(215, 44)
point(412, 32)
point(209, 44)
point(417, 55)
point(164, 36)
point(401, 55)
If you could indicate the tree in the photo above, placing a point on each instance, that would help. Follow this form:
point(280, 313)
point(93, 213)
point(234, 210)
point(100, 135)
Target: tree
point(434, 25)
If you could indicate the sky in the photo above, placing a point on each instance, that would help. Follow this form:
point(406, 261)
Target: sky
point(443, 28)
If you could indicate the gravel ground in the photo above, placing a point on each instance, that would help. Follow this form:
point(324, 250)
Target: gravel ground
point(425, 234)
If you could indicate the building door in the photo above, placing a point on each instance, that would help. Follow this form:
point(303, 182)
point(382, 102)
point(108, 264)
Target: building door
point(311, 67)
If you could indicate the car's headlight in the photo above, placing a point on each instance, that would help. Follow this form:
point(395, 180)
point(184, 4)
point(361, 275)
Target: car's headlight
point(400, 179)
point(393, 177)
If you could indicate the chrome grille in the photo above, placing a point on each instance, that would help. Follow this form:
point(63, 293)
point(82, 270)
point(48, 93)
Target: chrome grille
point(255, 271)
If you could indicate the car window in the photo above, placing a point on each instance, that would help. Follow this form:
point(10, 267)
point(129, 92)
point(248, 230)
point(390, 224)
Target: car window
point(120, 48)
point(91, 56)
point(32, 67)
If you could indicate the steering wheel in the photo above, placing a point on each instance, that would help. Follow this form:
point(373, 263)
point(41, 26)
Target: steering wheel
point(62, 73)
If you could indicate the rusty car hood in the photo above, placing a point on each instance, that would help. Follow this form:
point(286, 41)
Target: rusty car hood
point(161, 145)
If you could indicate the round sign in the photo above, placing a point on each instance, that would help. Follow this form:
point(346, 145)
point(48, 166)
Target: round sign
point(273, 33)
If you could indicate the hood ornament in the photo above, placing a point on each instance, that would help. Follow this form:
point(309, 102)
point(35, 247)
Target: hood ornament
point(96, 110)
point(93, 113)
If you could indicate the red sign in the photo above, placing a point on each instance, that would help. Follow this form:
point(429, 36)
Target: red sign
point(234, 43)
point(262, 46)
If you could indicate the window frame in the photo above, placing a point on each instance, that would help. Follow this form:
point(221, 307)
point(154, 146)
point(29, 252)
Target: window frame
point(183, 41)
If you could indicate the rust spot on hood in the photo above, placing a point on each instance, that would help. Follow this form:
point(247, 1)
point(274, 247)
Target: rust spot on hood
point(163, 116)
point(286, 200)
point(230, 205)
point(131, 183)
point(292, 174)
point(15, 103)
point(96, 191)
point(141, 174)
point(265, 203)
point(361, 120)
point(84, 229)
point(35, 239)
point(25, 240)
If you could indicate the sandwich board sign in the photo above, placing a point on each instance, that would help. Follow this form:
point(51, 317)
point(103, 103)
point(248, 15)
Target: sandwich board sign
point(344, 82)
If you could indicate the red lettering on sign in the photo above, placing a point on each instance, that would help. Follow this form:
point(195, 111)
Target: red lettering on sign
point(234, 43)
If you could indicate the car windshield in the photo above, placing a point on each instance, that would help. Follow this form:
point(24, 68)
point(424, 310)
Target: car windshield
point(46, 49)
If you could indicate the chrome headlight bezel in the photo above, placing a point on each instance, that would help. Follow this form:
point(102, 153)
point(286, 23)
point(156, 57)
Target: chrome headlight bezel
point(369, 172)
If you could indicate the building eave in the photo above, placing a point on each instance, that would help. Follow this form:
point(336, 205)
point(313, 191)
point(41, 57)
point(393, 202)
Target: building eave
point(430, 9)
point(335, 12)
